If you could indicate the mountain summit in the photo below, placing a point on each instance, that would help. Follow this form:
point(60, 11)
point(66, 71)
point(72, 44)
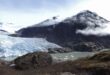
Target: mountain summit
point(67, 33)
point(88, 17)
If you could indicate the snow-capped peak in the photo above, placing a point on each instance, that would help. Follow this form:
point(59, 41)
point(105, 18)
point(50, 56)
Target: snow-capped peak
point(90, 16)
point(47, 22)
point(87, 17)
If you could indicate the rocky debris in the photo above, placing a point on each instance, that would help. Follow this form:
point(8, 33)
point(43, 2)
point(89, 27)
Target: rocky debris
point(67, 73)
point(59, 50)
point(33, 60)
point(101, 56)
point(86, 46)
point(98, 64)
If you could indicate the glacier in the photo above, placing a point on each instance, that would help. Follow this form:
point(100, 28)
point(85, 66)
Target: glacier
point(16, 46)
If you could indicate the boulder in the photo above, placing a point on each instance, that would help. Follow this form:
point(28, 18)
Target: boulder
point(33, 60)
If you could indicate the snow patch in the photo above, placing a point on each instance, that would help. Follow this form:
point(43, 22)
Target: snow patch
point(52, 21)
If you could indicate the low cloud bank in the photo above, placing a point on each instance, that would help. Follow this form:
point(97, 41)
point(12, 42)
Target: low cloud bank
point(101, 30)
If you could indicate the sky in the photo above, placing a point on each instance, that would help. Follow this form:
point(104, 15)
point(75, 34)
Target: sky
point(28, 12)
point(32, 11)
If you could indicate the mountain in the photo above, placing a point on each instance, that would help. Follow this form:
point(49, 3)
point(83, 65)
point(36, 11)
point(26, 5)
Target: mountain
point(3, 32)
point(87, 17)
point(48, 22)
point(69, 33)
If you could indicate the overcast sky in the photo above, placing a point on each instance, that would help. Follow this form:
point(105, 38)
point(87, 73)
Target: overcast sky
point(28, 12)
point(32, 11)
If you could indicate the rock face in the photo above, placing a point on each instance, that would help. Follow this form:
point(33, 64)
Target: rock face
point(33, 60)
point(68, 33)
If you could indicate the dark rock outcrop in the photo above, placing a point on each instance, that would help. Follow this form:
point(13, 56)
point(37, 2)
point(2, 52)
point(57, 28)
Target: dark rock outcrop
point(65, 33)
point(86, 46)
point(33, 60)
point(3, 32)
point(102, 56)
point(59, 50)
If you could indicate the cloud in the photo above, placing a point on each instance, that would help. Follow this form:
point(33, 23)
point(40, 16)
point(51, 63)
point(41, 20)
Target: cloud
point(33, 11)
point(99, 6)
point(35, 4)
point(28, 12)
point(101, 30)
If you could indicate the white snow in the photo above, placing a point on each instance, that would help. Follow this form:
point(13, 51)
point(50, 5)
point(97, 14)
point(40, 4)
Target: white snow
point(52, 21)
point(87, 17)
point(12, 27)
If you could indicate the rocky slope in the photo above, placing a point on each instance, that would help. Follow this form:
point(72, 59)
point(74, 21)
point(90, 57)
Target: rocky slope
point(98, 64)
point(71, 32)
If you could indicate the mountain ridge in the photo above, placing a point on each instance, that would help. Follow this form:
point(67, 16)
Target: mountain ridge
point(65, 32)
